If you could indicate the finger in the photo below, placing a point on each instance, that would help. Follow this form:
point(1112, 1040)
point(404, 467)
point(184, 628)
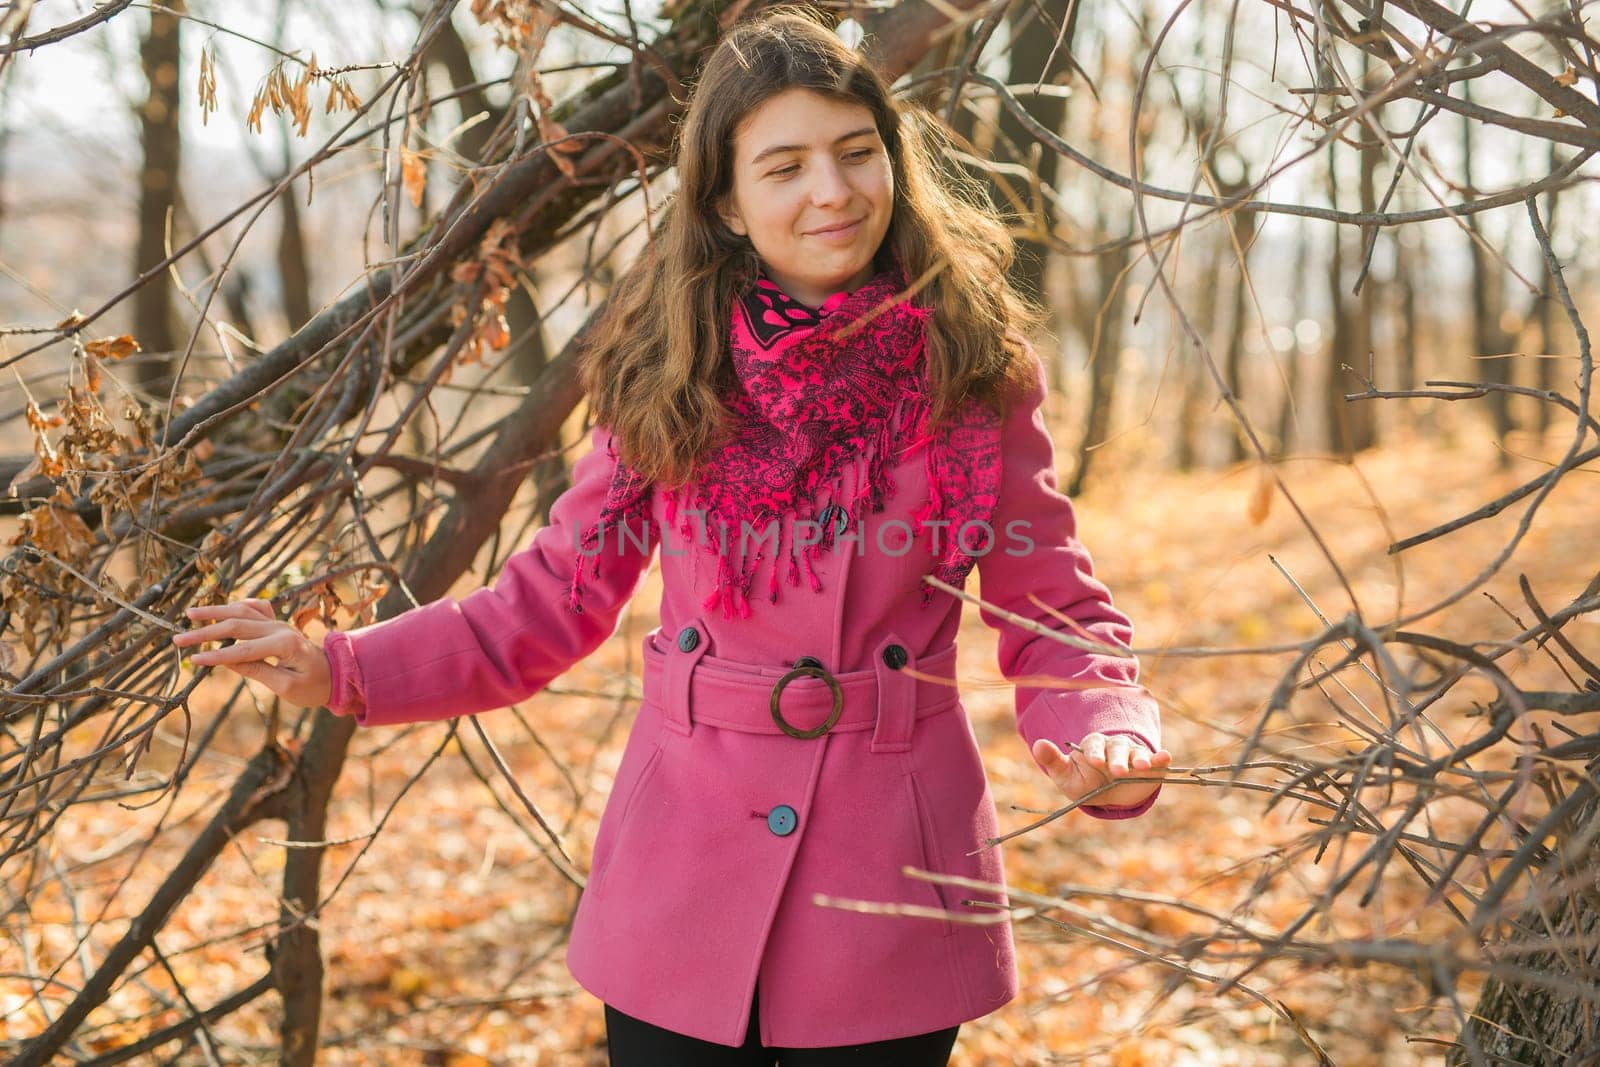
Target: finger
point(1093, 748)
point(220, 631)
point(229, 627)
point(1117, 752)
point(260, 607)
point(254, 608)
point(1068, 776)
point(1143, 762)
point(1051, 758)
point(215, 611)
point(1062, 767)
point(243, 652)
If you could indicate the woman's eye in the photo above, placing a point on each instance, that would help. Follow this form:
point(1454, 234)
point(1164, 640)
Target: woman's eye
point(786, 171)
point(860, 155)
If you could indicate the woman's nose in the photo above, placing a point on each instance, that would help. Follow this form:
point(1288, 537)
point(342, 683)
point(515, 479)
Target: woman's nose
point(829, 187)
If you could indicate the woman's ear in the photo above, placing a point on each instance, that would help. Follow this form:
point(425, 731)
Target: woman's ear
point(732, 218)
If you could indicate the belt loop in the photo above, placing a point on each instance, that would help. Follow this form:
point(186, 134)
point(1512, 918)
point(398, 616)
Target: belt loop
point(897, 696)
point(683, 654)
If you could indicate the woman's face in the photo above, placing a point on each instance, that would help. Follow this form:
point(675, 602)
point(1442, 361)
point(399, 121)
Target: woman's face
point(812, 190)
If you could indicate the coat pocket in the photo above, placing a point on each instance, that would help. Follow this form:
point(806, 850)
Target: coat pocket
point(944, 896)
point(625, 793)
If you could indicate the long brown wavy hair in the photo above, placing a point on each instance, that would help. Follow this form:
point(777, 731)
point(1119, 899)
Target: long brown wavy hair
point(657, 361)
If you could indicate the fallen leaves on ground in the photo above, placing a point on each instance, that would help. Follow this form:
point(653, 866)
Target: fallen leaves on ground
point(443, 944)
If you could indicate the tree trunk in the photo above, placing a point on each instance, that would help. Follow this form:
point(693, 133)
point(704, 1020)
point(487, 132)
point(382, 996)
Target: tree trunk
point(1543, 314)
point(1034, 30)
point(1338, 352)
point(294, 270)
point(1361, 415)
point(7, 78)
point(1289, 407)
point(1189, 446)
point(153, 324)
point(297, 953)
point(1233, 358)
point(1350, 354)
point(1242, 227)
point(1405, 268)
point(450, 52)
point(530, 357)
point(1487, 337)
point(1105, 362)
point(1550, 1021)
point(529, 352)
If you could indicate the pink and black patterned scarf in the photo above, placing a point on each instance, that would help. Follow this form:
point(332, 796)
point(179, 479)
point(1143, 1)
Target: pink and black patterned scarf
point(818, 421)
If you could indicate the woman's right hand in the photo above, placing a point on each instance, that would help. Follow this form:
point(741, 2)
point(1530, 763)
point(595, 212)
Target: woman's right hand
point(301, 674)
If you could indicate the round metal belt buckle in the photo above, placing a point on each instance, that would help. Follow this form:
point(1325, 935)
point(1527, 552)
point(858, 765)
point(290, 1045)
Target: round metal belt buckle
point(826, 724)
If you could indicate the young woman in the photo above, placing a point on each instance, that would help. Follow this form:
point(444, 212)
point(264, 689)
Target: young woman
point(811, 392)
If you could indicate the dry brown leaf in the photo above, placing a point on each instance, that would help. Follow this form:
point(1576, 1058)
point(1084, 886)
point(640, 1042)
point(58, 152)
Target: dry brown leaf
point(362, 610)
point(38, 420)
point(113, 347)
point(495, 332)
point(550, 130)
point(205, 560)
point(298, 102)
point(305, 614)
point(1261, 497)
point(414, 172)
point(22, 477)
point(57, 528)
point(208, 85)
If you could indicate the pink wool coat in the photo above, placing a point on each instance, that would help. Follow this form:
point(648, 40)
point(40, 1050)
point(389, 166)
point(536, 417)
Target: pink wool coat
point(722, 830)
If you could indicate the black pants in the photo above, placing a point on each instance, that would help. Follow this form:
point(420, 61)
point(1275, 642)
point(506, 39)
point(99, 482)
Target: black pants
point(634, 1043)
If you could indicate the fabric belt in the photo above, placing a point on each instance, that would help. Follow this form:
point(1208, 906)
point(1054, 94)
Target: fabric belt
point(693, 687)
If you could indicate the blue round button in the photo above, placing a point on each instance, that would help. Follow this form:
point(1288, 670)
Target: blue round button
point(782, 820)
point(688, 639)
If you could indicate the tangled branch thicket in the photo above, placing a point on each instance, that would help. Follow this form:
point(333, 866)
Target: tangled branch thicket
point(1406, 748)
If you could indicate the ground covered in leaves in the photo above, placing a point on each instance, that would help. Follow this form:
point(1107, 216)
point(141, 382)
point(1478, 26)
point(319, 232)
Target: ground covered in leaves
point(443, 941)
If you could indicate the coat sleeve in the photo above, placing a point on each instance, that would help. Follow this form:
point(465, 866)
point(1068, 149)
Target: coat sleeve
point(505, 642)
point(1037, 551)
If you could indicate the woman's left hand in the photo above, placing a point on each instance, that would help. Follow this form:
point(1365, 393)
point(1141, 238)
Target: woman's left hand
point(1100, 759)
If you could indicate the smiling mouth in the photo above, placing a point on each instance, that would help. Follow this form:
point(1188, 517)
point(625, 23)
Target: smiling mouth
point(837, 229)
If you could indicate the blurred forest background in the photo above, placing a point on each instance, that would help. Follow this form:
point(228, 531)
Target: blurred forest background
point(288, 299)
